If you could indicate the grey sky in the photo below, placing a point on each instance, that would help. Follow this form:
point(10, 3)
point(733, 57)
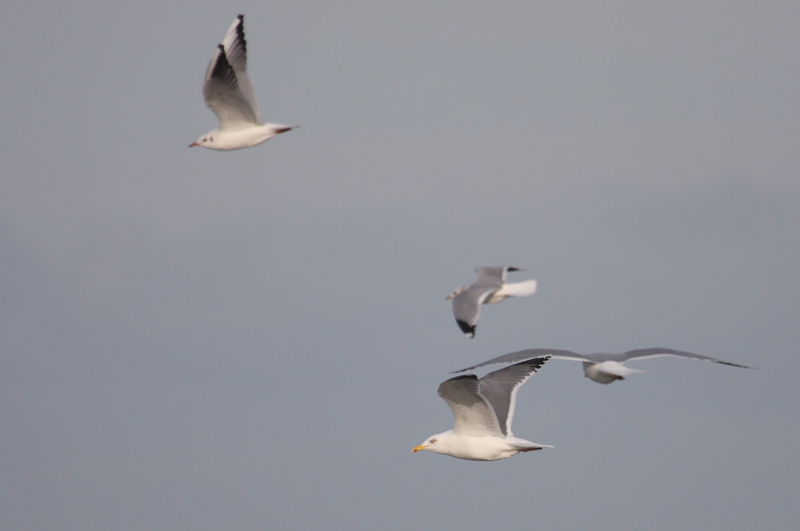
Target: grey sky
point(253, 340)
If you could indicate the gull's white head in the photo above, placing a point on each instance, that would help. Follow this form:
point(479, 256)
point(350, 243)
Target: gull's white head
point(456, 292)
point(207, 140)
point(440, 444)
point(434, 443)
point(430, 441)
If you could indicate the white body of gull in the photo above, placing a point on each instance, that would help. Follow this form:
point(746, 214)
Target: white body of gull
point(602, 368)
point(483, 410)
point(489, 288)
point(229, 94)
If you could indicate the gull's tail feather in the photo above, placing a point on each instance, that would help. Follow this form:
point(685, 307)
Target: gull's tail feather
point(519, 289)
point(527, 446)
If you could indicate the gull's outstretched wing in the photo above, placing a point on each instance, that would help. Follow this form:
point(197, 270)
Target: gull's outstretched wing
point(490, 274)
point(500, 389)
point(644, 353)
point(472, 412)
point(529, 354)
point(226, 89)
point(467, 306)
point(236, 51)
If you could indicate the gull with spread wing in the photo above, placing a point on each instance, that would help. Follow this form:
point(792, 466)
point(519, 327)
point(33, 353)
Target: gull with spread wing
point(489, 288)
point(229, 94)
point(483, 409)
point(602, 368)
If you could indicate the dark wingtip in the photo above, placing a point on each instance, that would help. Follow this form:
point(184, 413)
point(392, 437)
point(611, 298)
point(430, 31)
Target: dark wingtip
point(240, 32)
point(512, 268)
point(222, 69)
point(536, 363)
point(735, 365)
point(283, 129)
point(467, 328)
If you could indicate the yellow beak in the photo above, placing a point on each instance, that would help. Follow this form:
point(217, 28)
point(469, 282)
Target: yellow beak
point(418, 448)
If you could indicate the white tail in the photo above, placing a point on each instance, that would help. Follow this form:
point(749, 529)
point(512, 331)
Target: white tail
point(519, 289)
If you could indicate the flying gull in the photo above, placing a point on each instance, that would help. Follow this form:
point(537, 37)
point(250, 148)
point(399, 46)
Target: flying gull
point(489, 288)
point(483, 409)
point(229, 94)
point(602, 368)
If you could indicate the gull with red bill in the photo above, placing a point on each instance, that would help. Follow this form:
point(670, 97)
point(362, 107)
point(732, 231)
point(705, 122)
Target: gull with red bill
point(228, 93)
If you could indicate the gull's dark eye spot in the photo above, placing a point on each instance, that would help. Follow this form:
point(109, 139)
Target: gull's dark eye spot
point(433, 441)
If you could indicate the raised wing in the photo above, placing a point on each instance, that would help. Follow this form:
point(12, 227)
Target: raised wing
point(467, 306)
point(236, 50)
point(500, 389)
point(493, 273)
point(528, 354)
point(226, 90)
point(656, 352)
point(473, 414)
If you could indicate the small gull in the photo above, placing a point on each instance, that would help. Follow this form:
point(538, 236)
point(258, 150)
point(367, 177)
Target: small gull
point(483, 409)
point(229, 94)
point(602, 368)
point(489, 288)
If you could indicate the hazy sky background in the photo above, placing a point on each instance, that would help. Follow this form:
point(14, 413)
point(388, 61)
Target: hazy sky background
point(196, 340)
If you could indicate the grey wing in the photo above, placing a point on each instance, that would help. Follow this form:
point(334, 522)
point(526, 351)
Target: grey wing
point(493, 274)
point(472, 413)
point(223, 95)
point(528, 354)
point(656, 352)
point(467, 307)
point(500, 389)
point(236, 51)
